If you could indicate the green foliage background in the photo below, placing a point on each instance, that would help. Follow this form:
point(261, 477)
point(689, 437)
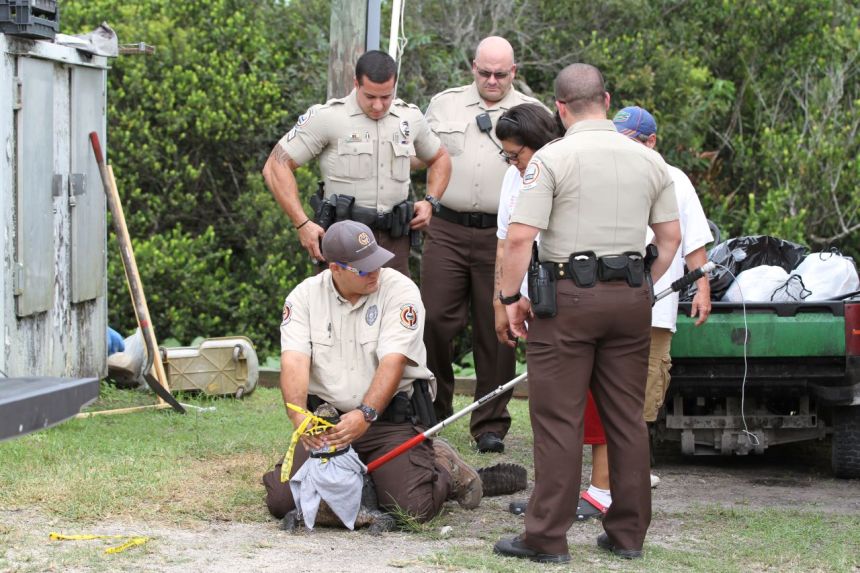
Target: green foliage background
point(759, 102)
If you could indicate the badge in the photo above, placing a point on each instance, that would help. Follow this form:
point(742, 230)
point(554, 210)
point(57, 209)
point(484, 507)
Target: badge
point(409, 316)
point(404, 128)
point(371, 315)
point(288, 313)
point(305, 117)
point(291, 134)
point(532, 173)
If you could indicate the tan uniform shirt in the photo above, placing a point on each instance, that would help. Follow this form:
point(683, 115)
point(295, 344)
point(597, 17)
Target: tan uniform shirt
point(594, 190)
point(346, 342)
point(359, 156)
point(477, 168)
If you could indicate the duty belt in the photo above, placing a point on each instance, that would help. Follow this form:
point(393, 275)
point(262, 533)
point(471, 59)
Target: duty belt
point(474, 219)
point(585, 268)
point(372, 218)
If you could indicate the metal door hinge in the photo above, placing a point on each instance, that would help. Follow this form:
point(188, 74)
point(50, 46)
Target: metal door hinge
point(58, 187)
point(78, 187)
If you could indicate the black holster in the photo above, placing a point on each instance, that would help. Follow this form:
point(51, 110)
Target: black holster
point(325, 211)
point(628, 267)
point(422, 404)
point(583, 267)
point(542, 288)
point(401, 217)
point(650, 256)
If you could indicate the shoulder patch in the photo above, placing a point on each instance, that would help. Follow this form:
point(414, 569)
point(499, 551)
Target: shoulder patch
point(409, 316)
point(306, 117)
point(288, 313)
point(532, 173)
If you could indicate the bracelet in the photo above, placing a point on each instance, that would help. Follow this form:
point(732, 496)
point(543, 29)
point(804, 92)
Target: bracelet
point(303, 224)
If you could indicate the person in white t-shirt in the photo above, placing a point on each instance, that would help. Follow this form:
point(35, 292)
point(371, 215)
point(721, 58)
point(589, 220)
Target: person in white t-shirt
point(639, 125)
point(522, 130)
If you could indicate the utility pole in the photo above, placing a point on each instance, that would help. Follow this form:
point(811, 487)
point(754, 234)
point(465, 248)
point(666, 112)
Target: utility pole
point(354, 29)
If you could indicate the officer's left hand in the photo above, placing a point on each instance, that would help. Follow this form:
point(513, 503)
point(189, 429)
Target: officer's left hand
point(701, 306)
point(423, 213)
point(350, 428)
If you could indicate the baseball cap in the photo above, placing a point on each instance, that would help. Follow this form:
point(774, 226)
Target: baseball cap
point(633, 121)
point(353, 243)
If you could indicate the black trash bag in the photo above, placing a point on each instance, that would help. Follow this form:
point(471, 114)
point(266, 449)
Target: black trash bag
point(742, 253)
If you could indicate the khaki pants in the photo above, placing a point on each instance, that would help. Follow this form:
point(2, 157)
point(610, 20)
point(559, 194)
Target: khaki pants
point(659, 363)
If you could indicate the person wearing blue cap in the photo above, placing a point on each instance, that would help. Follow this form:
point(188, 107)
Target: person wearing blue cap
point(639, 125)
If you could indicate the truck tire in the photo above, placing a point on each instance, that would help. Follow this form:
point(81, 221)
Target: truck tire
point(846, 442)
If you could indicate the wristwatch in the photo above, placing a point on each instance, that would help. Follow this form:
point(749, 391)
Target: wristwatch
point(506, 300)
point(370, 414)
point(434, 202)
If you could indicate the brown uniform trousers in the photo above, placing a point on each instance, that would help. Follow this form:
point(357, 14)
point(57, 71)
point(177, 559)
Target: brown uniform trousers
point(399, 246)
point(412, 481)
point(457, 274)
point(598, 340)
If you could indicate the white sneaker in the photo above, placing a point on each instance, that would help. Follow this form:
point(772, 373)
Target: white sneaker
point(655, 481)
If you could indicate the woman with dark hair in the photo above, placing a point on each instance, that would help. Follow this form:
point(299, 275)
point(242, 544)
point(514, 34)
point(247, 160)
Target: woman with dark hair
point(522, 130)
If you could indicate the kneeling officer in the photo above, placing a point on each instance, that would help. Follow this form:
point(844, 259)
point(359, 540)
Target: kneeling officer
point(352, 336)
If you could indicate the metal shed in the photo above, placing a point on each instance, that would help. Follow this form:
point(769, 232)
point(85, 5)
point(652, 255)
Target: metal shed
point(53, 297)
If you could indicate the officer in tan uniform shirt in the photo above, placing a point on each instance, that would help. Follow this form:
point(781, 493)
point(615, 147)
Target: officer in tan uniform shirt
point(365, 142)
point(460, 246)
point(352, 336)
point(591, 195)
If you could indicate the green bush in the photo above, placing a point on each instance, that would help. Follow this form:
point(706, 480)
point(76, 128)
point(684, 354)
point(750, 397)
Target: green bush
point(759, 102)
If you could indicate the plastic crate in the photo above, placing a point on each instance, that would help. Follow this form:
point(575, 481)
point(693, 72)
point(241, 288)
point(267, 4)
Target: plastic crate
point(29, 18)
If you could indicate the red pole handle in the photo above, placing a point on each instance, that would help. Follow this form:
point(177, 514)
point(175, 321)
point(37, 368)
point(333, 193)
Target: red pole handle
point(97, 147)
point(395, 452)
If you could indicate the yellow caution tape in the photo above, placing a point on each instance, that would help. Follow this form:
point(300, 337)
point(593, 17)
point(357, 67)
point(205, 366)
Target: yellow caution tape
point(312, 425)
point(133, 540)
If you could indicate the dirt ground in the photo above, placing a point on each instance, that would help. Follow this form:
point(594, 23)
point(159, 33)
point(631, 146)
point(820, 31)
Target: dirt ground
point(794, 478)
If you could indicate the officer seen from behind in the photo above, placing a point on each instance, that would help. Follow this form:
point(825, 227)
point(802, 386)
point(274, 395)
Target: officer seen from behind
point(591, 196)
point(365, 142)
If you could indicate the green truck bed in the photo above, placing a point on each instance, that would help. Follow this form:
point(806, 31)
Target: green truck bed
point(784, 372)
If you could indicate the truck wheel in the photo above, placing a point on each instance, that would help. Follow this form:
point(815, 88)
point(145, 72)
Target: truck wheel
point(846, 441)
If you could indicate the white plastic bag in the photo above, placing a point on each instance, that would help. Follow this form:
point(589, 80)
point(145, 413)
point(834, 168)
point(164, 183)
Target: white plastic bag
point(757, 284)
point(828, 275)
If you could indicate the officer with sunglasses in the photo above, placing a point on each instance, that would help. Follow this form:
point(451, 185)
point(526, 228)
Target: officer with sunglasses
point(351, 336)
point(460, 243)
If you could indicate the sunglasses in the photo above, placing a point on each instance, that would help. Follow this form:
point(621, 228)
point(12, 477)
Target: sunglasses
point(511, 157)
point(353, 269)
point(487, 74)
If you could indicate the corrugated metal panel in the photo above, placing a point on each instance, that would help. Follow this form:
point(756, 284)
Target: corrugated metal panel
point(87, 201)
point(35, 167)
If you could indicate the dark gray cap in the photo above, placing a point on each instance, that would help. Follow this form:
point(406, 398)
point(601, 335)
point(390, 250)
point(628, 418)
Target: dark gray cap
point(353, 243)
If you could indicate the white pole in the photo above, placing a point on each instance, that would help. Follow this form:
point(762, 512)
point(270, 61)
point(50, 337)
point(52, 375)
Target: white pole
point(395, 26)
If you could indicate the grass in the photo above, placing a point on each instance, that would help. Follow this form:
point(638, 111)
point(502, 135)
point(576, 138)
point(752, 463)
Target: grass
point(156, 466)
point(151, 463)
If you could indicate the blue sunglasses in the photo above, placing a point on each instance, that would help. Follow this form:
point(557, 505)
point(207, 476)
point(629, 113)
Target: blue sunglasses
point(353, 269)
